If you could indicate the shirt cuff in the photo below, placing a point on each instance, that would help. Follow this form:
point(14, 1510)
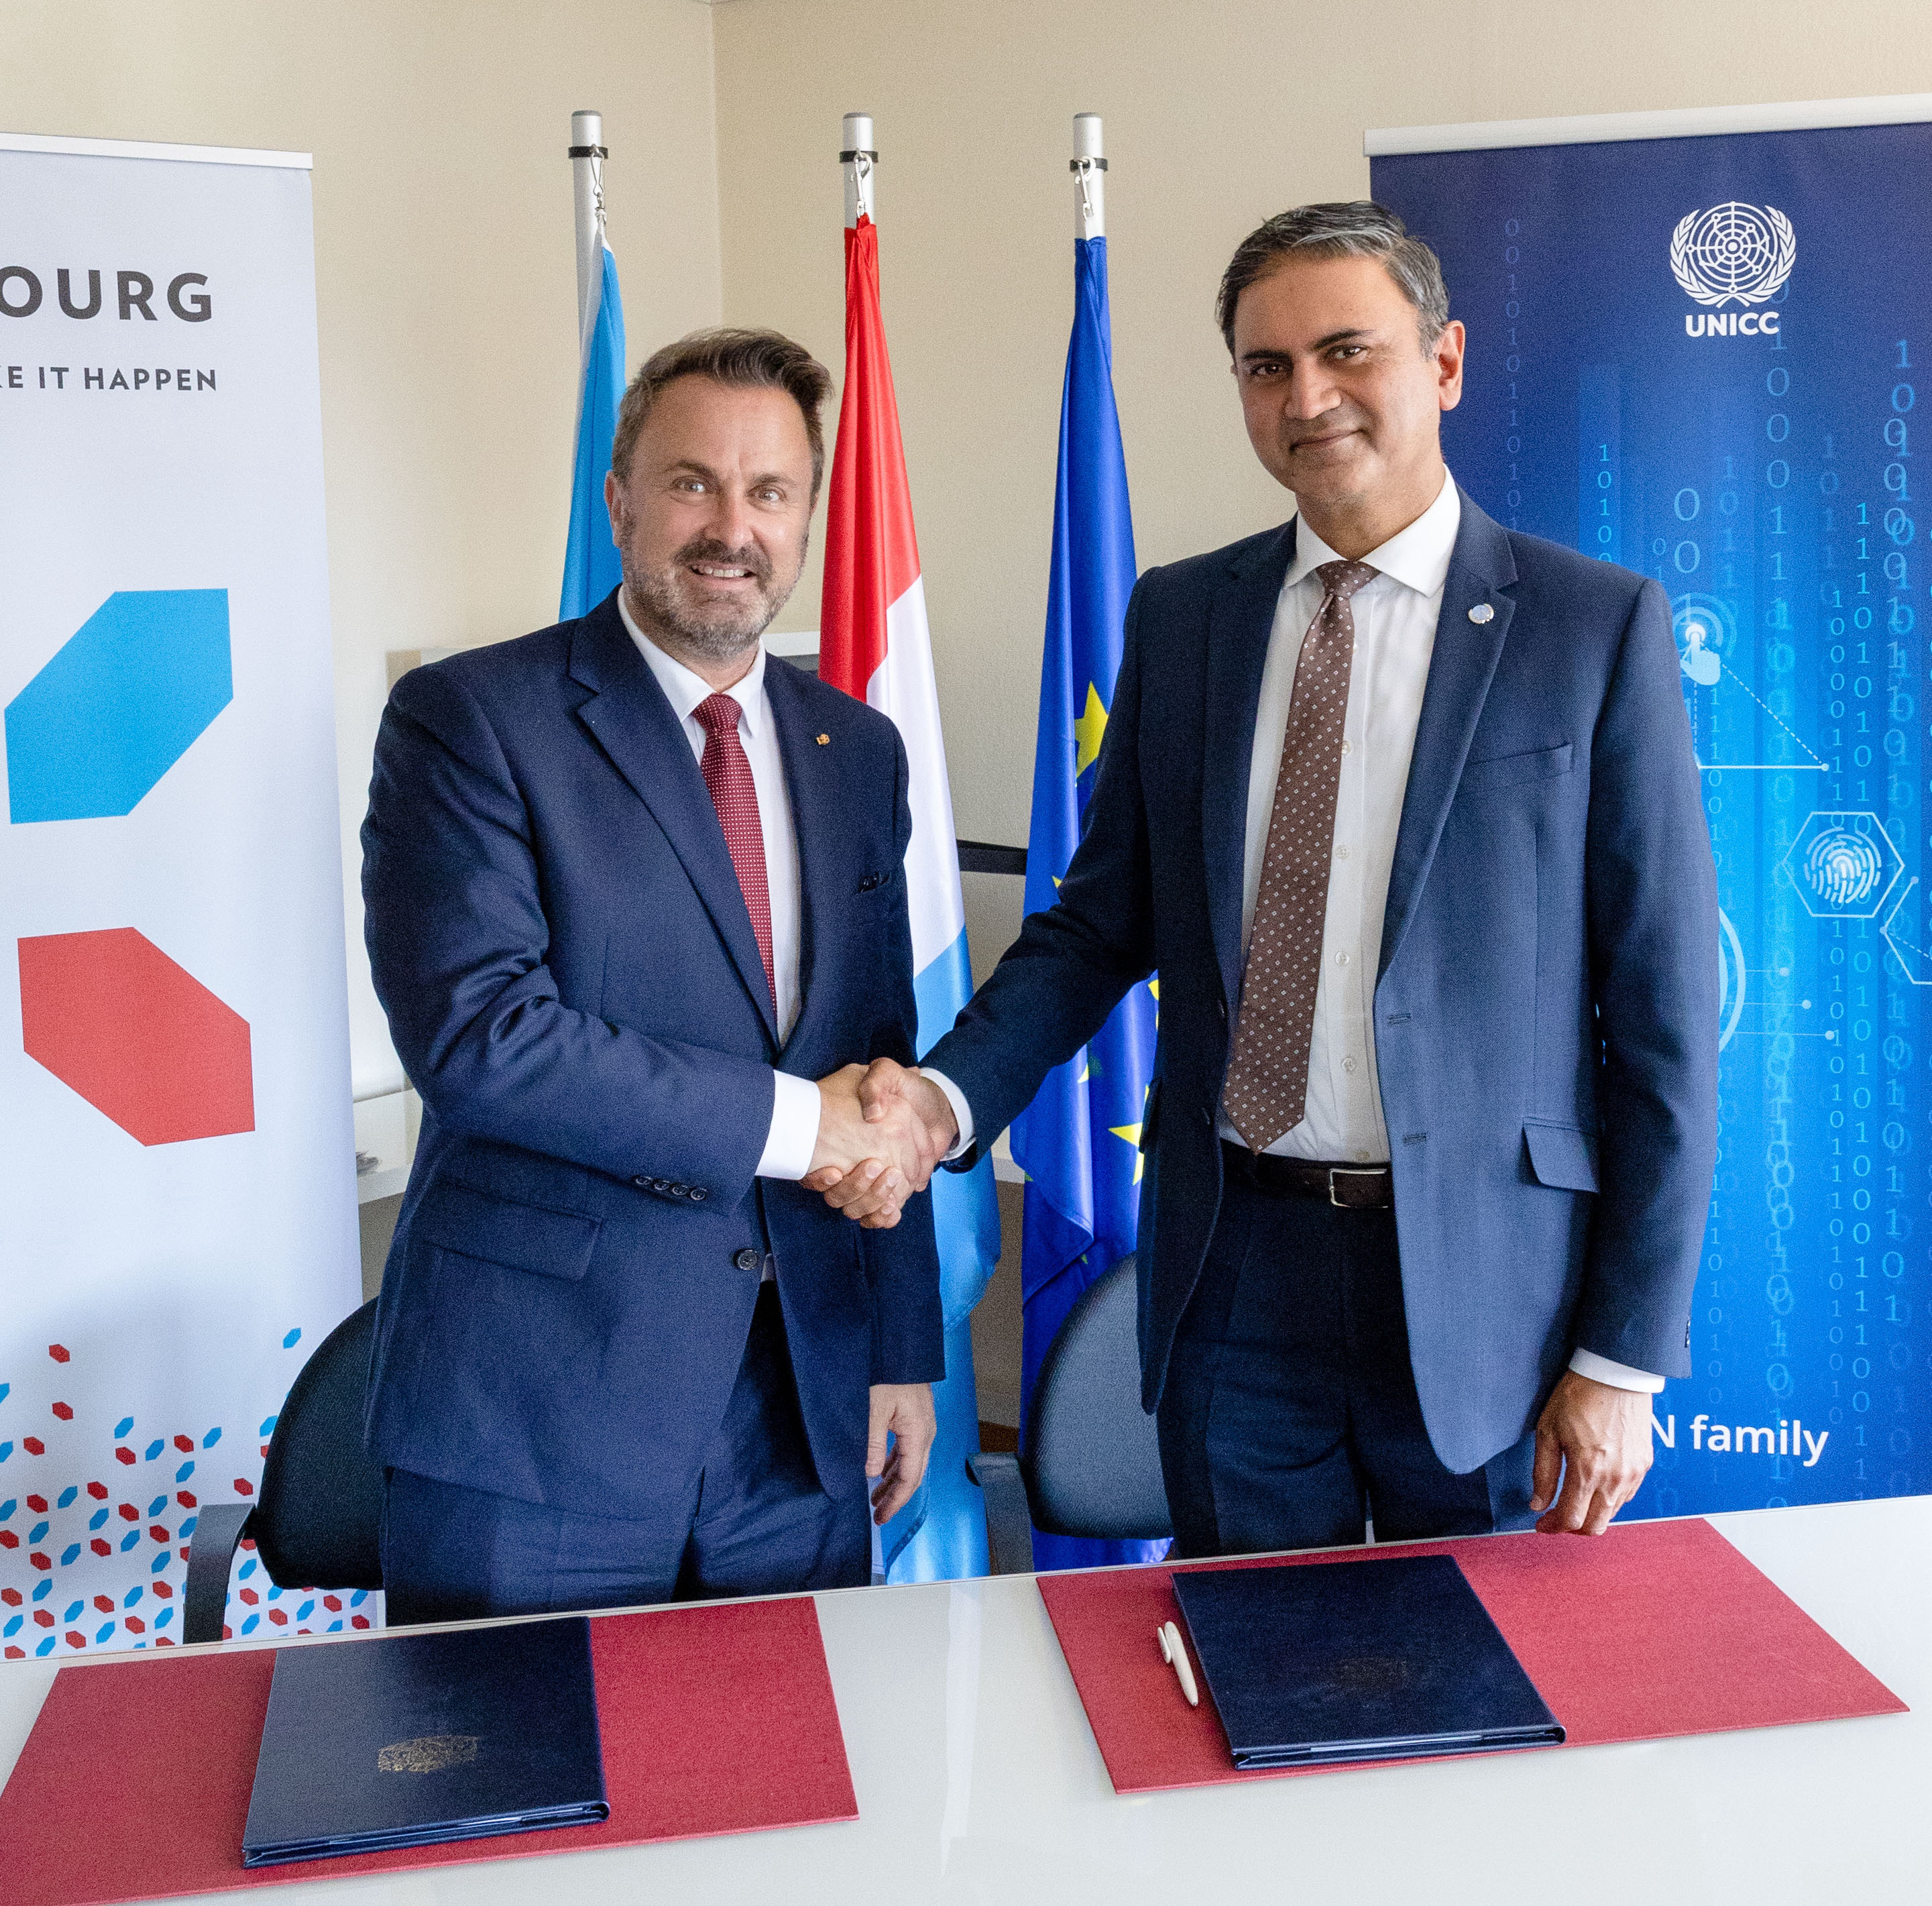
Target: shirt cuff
point(793, 1137)
point(962, 1113)
point(1619, 1376)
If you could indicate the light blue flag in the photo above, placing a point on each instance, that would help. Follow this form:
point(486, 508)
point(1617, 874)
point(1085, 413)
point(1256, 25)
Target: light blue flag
point(940, 1534)
point(591, 566)
point(1078, 1142)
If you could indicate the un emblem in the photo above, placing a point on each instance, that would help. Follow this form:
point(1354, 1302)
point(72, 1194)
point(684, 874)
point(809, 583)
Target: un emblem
point(1733, 250)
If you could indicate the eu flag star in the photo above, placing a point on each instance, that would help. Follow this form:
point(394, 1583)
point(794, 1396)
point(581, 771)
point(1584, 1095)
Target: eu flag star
point(1087, 732)
point(1131, 1134)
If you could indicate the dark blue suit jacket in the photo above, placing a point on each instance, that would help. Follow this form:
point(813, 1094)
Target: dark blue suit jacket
point(1546, 1007)
point(561, 944)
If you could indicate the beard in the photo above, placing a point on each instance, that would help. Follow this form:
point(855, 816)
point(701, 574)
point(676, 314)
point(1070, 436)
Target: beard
point(718, 630)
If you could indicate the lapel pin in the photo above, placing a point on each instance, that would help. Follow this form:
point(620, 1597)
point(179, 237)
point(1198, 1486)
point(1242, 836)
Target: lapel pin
point(1481, 613)
point(824, 740)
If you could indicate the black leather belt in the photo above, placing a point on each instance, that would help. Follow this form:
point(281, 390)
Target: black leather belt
point(1353, 1187)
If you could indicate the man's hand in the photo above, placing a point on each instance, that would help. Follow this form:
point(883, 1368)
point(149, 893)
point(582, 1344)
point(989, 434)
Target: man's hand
point(889, 1094)
point(875, 1159)
point(1598, 1437)
point(904, 1411)
point(889, 1091)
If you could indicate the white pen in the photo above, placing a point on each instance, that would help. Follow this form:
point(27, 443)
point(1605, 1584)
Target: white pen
point(1175, 1650)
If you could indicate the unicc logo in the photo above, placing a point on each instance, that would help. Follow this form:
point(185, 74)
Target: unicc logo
point(1732, 252)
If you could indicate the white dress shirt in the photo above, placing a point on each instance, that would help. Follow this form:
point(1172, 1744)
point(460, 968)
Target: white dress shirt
point(795, 1105)
point(1395, 636)
point(1395, 616)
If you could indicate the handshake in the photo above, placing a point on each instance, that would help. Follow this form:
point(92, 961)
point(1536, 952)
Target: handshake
point(882, 1128)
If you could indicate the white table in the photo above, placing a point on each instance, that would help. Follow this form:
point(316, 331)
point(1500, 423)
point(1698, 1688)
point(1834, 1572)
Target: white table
point(978, 1780)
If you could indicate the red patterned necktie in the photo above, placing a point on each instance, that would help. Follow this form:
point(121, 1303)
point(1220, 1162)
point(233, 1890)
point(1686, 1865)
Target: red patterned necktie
point(1267, 1090)
point(727, 773)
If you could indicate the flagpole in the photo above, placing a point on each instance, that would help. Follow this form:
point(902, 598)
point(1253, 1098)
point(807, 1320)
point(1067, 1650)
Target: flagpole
point(1089, 168)
point(587, 155)
point(860, 163)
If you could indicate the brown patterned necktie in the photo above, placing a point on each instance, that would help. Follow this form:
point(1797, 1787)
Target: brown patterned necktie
point(1267, 1090)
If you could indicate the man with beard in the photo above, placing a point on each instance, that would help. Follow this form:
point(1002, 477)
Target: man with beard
point(630, 891)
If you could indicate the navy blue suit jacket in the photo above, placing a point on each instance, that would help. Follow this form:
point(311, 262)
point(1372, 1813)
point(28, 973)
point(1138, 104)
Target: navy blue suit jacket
point(561, 946)
point(1545, 1005)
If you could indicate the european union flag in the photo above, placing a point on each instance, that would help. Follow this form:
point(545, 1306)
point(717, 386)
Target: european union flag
point(1078, 1142)
point(592, 567)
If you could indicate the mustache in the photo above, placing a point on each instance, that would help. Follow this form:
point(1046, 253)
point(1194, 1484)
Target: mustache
point(1343, 417)
point(709, 549)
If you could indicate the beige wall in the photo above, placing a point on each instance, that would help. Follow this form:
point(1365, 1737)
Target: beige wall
point(444, 267)
point(1217, 115)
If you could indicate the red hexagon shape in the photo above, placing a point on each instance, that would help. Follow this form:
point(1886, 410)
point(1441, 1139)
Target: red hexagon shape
point(139, 1038)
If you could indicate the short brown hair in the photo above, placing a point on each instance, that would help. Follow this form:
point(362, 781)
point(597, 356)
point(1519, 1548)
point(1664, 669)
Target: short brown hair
point(1356, 228)
point(744, 360)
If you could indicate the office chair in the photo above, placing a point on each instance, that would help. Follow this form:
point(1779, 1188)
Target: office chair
point(318, 1518)
point(1089, 1460)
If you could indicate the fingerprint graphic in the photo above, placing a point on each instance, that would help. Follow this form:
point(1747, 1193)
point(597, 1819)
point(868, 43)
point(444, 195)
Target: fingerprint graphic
point(1843, 868)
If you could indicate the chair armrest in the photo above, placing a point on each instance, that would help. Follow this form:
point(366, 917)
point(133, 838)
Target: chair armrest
point(218, 1526)
point(1009, 1520)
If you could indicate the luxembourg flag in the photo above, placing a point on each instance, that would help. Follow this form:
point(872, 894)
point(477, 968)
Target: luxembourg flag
point(874, 643)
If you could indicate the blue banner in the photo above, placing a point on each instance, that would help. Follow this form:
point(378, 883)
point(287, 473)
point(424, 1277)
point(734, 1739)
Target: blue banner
point(1078, 1142)
point(1700, 358)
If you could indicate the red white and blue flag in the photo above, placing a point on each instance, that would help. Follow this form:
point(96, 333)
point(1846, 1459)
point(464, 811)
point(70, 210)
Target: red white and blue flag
point(874, 644)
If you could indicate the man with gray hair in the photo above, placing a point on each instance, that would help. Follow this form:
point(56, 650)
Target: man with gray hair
point(637, 913)
point(1402, 808)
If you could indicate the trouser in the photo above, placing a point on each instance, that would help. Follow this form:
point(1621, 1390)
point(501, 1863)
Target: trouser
point(1290, 1416)
point(754, 1521)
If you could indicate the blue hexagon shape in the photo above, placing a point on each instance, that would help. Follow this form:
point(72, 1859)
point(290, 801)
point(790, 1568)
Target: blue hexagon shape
point(1842, 864)
point(124, 698)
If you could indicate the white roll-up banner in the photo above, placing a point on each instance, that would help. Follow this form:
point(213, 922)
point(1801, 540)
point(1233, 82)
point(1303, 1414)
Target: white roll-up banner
point(177, 1202)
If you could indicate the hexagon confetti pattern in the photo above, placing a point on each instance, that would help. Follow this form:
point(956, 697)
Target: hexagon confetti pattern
point(121, 700)
point(93, 1556)
point(139, 1037)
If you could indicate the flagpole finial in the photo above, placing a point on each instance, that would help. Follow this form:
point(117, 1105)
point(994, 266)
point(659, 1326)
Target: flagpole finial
point(1089, 168)
point(860, 161)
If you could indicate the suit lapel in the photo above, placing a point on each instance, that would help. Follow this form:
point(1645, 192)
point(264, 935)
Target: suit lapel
point(636, 727)
point(1240, 620)
point(811, 779)
point(1466, 652)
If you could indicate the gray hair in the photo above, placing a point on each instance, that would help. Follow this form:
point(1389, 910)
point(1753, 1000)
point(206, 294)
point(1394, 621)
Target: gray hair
point(1357, 228)
point(742, 359)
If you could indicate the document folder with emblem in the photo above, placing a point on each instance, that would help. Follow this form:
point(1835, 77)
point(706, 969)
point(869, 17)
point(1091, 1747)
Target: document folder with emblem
point(1322, 1663)
point(408, 1740)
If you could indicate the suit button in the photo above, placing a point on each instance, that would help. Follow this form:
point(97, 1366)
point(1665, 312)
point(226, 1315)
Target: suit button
point(698, 1194)
point(642, 1183)
point(660, 1184)
point(748, 1259)
point(680, 1190)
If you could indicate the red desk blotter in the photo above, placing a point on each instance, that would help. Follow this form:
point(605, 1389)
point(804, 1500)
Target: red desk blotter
point(1656, 1628)
point(134, 1783)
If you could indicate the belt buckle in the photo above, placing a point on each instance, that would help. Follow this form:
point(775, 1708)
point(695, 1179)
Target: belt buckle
point(1348, 1171)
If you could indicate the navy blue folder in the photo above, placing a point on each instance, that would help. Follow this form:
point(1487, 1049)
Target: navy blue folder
point(411, 1740)
point(1357, 1660)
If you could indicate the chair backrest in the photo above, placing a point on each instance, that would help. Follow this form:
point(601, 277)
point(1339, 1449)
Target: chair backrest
point(318, 1520)
point(1089, 1454)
